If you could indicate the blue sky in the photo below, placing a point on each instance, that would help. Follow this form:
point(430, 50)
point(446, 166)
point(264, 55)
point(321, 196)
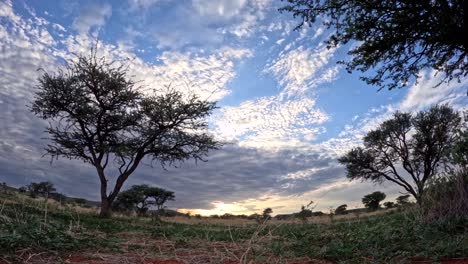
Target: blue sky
point(287, 108)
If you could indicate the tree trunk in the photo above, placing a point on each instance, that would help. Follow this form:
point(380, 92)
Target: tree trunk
point(106, 211)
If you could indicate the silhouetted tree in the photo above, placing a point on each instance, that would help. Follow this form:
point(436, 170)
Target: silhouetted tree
point(341, 209)
point(99, 116)
point(44, 189)
point(389, 205)
point(403, 200)
point(160, 196)
point(306, 212)
point(396, 39)
point(141, 197)
point(407, 149)
point(372, 201)
point(267, 213)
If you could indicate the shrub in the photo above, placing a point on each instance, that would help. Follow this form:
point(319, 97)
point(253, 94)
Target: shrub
point(341, 209)
point(447, 197)
point(389, 205)
point(372, 201)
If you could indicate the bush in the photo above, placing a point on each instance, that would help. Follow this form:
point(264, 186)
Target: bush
point(446, 197)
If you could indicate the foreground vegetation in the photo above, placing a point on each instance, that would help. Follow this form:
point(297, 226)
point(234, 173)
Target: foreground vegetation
point(52, 233)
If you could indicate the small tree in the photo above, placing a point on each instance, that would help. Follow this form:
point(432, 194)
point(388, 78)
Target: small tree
point(306, 212)
point(372, 201)
point(389, 205)
point(99, 116)
point(141, 197)
point(403, 200)
point(160, 196)
point(340, 210)
point(407, 150)
point(267, 213)
point(44, 189)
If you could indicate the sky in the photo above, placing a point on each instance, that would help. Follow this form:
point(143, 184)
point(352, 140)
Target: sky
point(287, 109)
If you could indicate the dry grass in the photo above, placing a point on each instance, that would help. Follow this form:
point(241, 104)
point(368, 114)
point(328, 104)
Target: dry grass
point(236, 221)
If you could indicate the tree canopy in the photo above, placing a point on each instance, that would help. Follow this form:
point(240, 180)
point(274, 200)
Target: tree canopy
point(407, 149)
point(98, 115)
point(372, 201)
point(396, 39)
point(341, 209)
point(44, 189)
point(141, 197)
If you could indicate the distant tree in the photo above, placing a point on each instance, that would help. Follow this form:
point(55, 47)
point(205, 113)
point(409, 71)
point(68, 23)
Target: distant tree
point(254, 216)
point(99, 116)
point(396, 39)
point(403, 200)
point(372, 201)
point(23, 189)
point(389, 205)
point(159, 196)
point(44, 189)
point(141, 197)
point(341, 209)
point(306, 212)
point(267, 213)
point(407, 150)
point(227, 216)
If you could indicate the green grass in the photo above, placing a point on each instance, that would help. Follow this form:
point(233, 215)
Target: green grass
point(379, 238)
point(385, 238)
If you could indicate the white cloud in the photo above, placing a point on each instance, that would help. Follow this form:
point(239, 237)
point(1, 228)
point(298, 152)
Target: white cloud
point(224, 9)
point(270, 122)
point(301, 69)
point(141, 5)
point(290, 118)
point(204, 74)
point(424, 93)
point(91, 16)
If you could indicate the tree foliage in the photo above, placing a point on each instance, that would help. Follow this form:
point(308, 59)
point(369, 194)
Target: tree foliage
point(341, 209)
point(141, 197)
point(395, 38)
point(389, 205)
point(99, 116)
point(403, 200)
point(267, 213)
point(372, 201)
point(44, 189)
point(406, 150)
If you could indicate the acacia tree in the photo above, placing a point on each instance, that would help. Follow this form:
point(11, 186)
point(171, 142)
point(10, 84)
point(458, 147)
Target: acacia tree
point(44, 188)
point(395, 38)
point(403, 200)
point(160, 196)
point(340, 210)
point(372, 201)
point(407, 149)
point(96, 114)
point(389, 205)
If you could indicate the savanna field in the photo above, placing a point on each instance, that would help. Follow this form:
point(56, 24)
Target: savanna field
point(32, 232)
